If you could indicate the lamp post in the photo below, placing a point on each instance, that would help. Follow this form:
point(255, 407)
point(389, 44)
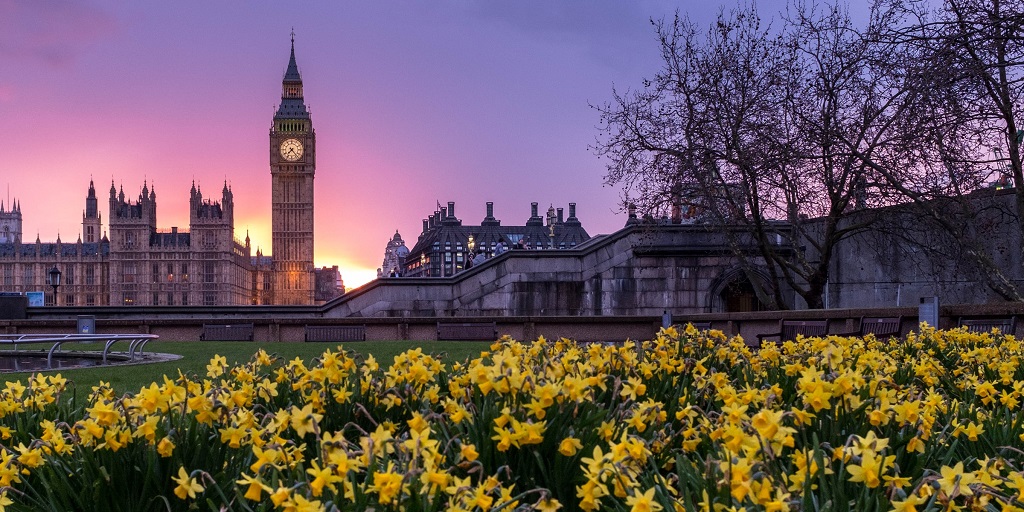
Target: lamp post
point(55, 282)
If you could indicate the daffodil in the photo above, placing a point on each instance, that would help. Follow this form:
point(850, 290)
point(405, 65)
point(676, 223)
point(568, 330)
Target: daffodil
point(4, 501)
point(643, 502)
point(907, 505)
point(569, 446)
point(187, 486)
point(468, 452)
point(304, 420)
point(387, 485)
point(954, 482)
point(254, 487)
point(548, 505)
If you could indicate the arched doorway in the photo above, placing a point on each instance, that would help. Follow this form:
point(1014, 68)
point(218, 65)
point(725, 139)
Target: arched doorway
point(739, 296)
point(733, 292)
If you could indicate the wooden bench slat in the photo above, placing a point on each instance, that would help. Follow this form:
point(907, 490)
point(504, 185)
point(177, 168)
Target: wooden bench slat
point(335, 333)
point(880, 327)
point(984, 325)
point(790, 329)
point(467, 331)
point(227, 332)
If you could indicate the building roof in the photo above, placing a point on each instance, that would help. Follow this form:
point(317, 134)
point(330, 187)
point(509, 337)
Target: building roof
point(172, 239)
point(292, 74)
point(292, 107)
point(443, 228)
point(10, 249)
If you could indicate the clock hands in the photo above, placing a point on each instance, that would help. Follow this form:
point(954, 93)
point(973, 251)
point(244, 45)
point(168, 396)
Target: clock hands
point(291, 150)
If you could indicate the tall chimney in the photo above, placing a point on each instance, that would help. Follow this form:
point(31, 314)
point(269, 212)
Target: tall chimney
point(533, 209)
point(425, 225)
point(489, 220)
point(451, 208)
point(443, 213)
point(559, 215)
point(572, 210)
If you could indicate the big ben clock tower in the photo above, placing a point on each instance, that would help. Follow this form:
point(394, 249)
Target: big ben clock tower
point(292, 166)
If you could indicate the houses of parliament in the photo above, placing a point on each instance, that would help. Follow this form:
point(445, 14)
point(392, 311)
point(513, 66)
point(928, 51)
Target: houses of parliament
point(141, 264)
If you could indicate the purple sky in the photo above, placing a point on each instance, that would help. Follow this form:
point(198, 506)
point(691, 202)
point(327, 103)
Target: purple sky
point(413, 103)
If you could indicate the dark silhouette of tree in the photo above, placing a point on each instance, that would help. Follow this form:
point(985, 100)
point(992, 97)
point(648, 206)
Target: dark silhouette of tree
point(792, 131)
point(748, 126)
point(955, 76)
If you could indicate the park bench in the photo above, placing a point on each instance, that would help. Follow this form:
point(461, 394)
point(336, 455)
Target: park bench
point(467, 331)
point(335, 333)
point(227, 332)
point(1005, 325)
point(136, 342)
point(790, 329)
point(882, 327)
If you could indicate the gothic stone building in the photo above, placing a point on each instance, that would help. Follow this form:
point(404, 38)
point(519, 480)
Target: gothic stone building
point(202, 266)
point(445, 243)
point(84, 265)
point(141, 264)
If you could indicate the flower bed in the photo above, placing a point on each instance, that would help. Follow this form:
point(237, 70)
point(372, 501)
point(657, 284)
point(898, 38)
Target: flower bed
point(688, 420)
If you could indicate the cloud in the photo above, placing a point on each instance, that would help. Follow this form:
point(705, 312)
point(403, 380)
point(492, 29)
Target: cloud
point(50, 31)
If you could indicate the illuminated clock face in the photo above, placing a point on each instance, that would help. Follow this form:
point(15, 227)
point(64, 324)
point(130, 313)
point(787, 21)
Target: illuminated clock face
point(291, 150)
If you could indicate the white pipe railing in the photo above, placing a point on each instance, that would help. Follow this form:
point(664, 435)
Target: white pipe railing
point(136, 342)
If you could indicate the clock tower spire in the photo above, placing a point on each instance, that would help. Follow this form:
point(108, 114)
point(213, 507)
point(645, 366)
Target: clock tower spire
point(292, 168)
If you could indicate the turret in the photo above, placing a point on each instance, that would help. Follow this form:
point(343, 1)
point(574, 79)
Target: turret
point(10, 222)
point(91, 218)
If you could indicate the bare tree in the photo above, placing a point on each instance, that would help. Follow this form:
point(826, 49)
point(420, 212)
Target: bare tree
point(795, 132)
point(956, 75)
point(753, 123)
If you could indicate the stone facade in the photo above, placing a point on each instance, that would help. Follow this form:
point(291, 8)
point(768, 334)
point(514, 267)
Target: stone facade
point(639, 270)
point(905, 257)
point(204, 266)
point(139, 264)
point(329, 285)
point(84, 266)
point(84, 270)
point(263, 277)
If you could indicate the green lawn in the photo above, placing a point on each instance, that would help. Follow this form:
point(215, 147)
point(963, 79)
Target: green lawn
point(196, 355)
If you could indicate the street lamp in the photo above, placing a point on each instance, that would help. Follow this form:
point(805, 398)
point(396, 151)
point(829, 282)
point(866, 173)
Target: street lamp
point(55, 282)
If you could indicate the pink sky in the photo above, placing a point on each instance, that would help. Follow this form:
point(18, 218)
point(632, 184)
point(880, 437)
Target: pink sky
point(412, 102)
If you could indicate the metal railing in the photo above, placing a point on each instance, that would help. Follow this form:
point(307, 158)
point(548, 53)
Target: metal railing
point(136, 342)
